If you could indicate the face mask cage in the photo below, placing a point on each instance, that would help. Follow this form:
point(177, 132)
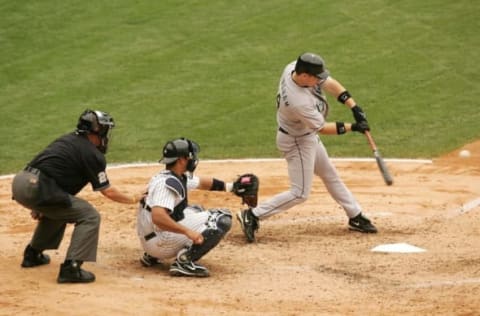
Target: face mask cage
point(105, 127)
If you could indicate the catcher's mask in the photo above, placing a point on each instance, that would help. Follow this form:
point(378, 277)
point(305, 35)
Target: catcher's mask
point(181, 147)
point(98, 123)
point(311, 64)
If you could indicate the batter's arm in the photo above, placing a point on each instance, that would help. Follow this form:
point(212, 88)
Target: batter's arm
point(330, 128)
point(162, 219)
point(335, 88)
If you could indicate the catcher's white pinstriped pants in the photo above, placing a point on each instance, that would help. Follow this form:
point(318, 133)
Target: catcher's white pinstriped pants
point(166, 245)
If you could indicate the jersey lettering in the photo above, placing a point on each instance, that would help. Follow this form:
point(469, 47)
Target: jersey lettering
point(282, 96)
point(102, 177)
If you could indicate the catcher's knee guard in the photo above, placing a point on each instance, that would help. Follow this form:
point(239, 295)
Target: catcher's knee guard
point(219, 223)
point(223, 219)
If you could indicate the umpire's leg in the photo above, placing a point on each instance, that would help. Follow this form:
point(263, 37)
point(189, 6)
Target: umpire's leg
point(48, 234)
point(84, 241)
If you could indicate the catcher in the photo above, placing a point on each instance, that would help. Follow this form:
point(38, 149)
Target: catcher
point(168, 227)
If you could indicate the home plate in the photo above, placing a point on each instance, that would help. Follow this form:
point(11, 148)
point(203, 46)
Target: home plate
point(399, 247)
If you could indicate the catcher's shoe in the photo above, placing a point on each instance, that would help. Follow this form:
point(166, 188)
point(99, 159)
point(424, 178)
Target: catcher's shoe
point(70, 272)
point(249, 223)
point(188, 268)
point(149, 261)
point(33, 258)
point(184, 266)
point(362, 224)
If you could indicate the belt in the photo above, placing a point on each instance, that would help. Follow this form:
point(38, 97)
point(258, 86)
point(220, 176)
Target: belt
point(150, 236)
point(144, 205)
point(282, 130)
point(32, 170)
point(285, 132)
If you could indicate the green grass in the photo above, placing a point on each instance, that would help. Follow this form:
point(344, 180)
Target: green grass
point(208, 70)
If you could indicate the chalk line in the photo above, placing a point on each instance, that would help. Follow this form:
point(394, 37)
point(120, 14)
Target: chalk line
point(253, 160)
point(465, 208)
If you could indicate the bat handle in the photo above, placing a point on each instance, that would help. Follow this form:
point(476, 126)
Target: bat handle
point(371, 142)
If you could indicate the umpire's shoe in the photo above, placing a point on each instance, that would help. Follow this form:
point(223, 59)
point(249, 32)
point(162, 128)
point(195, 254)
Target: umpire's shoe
point(183, 266)
point(362, 224)
point(70, 272)
point(249, 223)
point(33, 258)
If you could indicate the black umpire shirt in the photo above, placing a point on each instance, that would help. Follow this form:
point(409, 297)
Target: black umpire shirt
point(73, 162)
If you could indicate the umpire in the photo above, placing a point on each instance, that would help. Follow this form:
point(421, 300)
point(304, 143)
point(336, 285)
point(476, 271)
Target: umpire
point(48, 185)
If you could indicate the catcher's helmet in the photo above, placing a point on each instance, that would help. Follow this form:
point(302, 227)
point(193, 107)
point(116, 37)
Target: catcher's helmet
point(96, 122)
point(311, 64)
point(181, 147)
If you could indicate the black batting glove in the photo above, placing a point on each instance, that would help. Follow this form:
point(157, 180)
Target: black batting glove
point(358, 114)
point(360, 127)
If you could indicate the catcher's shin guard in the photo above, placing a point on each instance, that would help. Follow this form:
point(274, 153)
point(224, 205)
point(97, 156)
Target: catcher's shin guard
point(219, 224)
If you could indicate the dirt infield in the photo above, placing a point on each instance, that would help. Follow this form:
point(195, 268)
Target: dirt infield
point(306, 261)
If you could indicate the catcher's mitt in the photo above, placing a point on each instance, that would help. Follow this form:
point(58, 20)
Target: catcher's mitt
point(246, 187)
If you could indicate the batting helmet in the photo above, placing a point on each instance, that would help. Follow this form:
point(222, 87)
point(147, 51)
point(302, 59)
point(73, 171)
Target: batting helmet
point(96, 122)
point(181, 147)
point(311, 64)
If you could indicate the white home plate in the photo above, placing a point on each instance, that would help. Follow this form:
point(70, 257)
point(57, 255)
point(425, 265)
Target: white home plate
point(399, 247)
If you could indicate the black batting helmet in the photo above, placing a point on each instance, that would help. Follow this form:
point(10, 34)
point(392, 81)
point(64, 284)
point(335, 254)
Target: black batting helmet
point(311, 64)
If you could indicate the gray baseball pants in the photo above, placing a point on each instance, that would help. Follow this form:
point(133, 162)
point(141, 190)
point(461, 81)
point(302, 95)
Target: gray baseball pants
point(51, 227)
point(306, 156)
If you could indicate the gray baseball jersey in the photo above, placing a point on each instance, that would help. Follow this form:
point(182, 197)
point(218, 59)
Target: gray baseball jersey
point(301, 113)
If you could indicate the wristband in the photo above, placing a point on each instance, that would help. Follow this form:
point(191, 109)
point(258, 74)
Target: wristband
point(217, 185)
point(344, 96)
point(341, 128)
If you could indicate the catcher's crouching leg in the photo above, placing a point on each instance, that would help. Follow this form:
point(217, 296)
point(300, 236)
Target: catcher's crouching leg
point(219, 223)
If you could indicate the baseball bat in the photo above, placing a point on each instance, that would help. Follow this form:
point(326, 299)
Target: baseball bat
point(380, 162)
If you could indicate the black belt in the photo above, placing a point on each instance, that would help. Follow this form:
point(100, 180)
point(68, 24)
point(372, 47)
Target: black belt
point(285, 132)
point(32, 170)
point(282, 130)
point(144, 205)
point(150, 236)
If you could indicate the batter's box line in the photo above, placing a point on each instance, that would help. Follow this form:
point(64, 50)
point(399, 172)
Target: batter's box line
point(430, 284)
point(465, 208)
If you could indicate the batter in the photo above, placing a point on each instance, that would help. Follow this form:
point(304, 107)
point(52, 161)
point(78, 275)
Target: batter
point(302, 110)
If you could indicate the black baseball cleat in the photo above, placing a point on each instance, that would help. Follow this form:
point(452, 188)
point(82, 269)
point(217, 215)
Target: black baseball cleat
point(249, 223)
point(70, 272)
point(149, 261)
point(184, 266)
point(188, 268)
point(361, 224)
point(33, 258)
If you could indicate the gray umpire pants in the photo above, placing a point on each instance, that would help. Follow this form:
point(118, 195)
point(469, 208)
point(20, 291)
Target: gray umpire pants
point(51, 227)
